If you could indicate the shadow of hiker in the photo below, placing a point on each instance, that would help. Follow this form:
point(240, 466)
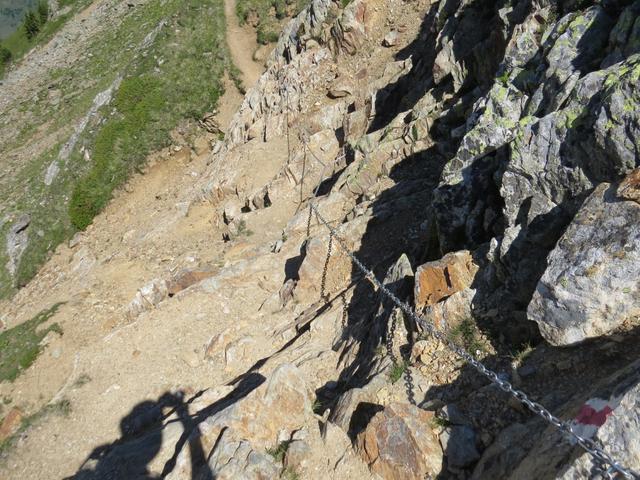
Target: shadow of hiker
point(130, 456)
point(110, 461)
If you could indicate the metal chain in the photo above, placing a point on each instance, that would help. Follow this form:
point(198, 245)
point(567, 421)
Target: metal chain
point(323, 282)
point(345, 312)
point(390, 334)
point(309, 222)
point(587, 444)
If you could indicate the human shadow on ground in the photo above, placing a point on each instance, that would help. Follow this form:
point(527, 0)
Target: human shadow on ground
point(130, 456)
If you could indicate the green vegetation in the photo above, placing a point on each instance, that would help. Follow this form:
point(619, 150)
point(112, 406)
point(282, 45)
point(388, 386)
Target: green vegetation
point(267, 15)
point(439, 422)
point(37, 28)
point(175, 79)
point(82, 380)
point(504, 78)
point(466, 334)
point(278, 452)
point(20, 345)
point(63, 407)
point(149, 104)
point(5, 56)
point(520, 356)
point(289, 474)
point(397, 370)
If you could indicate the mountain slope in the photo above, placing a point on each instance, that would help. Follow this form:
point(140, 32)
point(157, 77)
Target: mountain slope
point(479, 157)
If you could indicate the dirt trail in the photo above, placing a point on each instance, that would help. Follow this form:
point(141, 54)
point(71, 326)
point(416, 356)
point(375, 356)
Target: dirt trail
point(242, 44)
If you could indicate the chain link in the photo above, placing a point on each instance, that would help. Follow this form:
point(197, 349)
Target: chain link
point(588, 445)
point(345, 311)
point(323, 282)
point(390, 334)
point(309, 222)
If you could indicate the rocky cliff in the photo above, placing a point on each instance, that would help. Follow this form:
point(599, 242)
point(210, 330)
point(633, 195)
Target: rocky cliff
point(481, 158)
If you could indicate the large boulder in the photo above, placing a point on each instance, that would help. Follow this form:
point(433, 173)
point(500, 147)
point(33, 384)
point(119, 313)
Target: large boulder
point(399, 443)
point(590, 287)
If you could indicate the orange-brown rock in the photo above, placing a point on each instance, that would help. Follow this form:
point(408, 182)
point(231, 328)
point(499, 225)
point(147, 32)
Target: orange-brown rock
point(398, 444)
point(440, 279)
point(10, 424)
point(186, 278)
point(629, 188)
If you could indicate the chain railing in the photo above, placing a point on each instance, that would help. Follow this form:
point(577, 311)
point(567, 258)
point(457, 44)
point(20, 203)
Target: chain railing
point(602, 458)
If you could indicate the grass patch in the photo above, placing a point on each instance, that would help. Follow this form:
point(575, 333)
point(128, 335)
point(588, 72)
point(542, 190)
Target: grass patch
point(62, 408)
point(520, 355)
point(268, 14)
point(439, 422)
point(397, 370)
point(467, 335)
point(82, 380)
point(278, 452)
point(150, 102)
point(20, 345)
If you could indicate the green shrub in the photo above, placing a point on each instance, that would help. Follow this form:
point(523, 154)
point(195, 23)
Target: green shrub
point(266, 34)
point(268, 28)
point(5, 55)
point(31, 24)
point(397, 370)
point(43, 11)
point(278, 452)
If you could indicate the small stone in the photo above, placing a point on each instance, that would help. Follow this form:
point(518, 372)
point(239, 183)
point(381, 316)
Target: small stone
point(297, 454)
point(340, 91)
point(182, 154)
point(527, 371)
point(390, 39)
point(186, 278)
point(216, 344)
point(201, 145)
point(232, 209)
point(75, 240)
point(453, 414)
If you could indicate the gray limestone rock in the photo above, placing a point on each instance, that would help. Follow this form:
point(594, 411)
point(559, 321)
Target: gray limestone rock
point(590, 287)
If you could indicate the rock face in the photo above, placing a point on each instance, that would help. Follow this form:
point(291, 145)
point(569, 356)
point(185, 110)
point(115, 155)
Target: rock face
point(533, 450)
point(398, 443)
point(237, 436)
point(590, 287)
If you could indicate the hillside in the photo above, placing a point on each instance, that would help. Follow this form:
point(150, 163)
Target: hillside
point(414, 253)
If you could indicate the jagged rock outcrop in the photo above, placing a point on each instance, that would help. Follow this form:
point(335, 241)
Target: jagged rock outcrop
point(590, 287)
point(481, 153)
